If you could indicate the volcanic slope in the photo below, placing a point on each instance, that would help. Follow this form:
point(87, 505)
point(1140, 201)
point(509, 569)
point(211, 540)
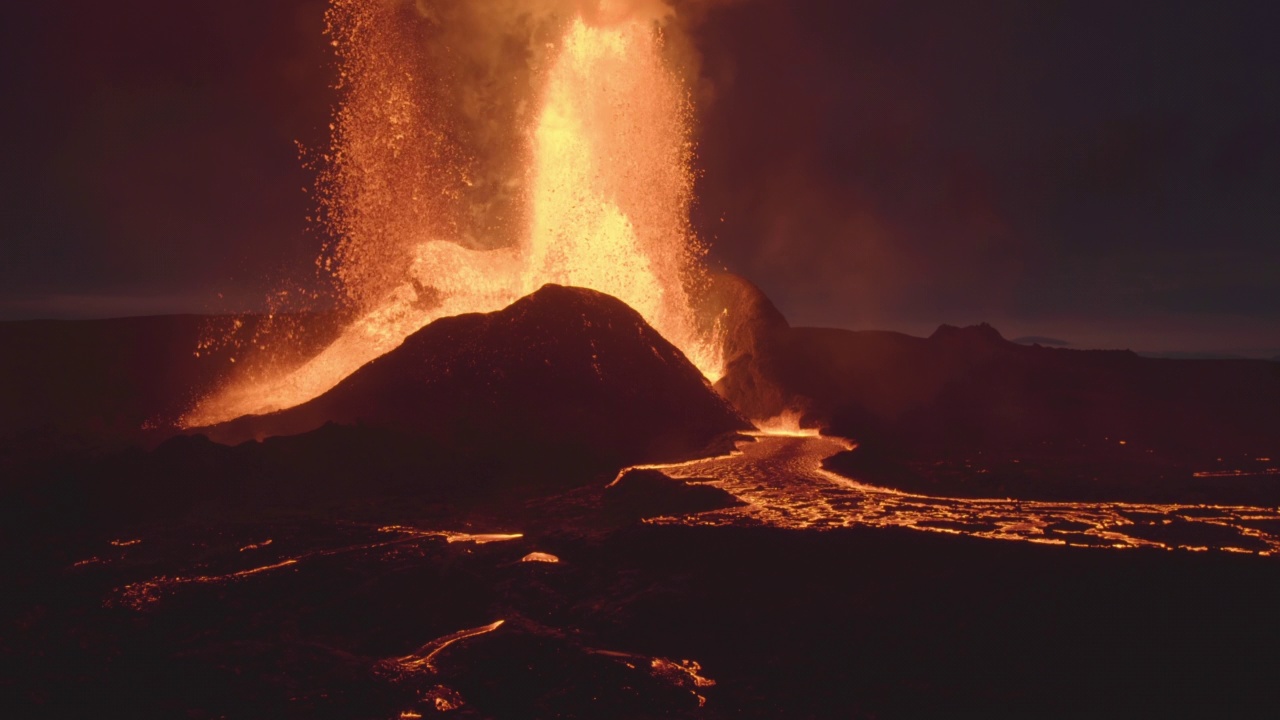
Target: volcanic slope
point(568, 369)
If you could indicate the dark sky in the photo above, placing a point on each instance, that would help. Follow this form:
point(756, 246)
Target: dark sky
point(1103, 172)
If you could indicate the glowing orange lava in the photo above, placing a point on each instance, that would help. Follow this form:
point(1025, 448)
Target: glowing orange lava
point(609, 186)
point(611, 180)
point(420, 660)
point(786, 423)
point(781, 479)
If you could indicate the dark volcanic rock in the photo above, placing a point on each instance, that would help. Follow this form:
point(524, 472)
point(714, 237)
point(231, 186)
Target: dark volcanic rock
point(561, 389)
point(570, 370)
point(642, 493)
point(753, 331)
point(966, 412)
point(970, 388)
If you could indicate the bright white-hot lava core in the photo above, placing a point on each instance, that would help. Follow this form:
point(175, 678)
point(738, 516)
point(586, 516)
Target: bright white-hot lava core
point(607, 187)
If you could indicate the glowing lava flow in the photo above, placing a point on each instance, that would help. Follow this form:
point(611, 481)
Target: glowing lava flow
point(609, 192)
point(781, 478)
point(420, 660)
point(140, 595)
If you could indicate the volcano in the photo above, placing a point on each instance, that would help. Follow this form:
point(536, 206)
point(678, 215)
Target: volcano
point(564, 367)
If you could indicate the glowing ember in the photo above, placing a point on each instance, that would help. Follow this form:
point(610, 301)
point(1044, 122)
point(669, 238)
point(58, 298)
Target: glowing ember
point(442, 699)
point(452, 537)
point(481, 539)
point(139, 595)
point(1236, 473)
point(684, 674)
point(607, 206)
point(540, 557)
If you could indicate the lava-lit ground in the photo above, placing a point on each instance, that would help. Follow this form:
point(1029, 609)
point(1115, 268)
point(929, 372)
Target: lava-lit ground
point(820, 598)
point(318, 618)
point(784, 484)
point(310, 617)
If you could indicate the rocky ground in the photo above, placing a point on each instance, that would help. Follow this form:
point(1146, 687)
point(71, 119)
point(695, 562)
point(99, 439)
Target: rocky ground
point(350, 615)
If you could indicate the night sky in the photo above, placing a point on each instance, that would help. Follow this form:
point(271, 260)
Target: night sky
point(1105, 173)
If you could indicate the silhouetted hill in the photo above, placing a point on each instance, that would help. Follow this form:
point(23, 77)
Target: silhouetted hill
point(969, 387)
point(561, 388)
point(965, 406)
point(752, 328)
point(564, 368)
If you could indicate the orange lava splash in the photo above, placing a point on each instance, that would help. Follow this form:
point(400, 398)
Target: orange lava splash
point(786, 423)
point(608, 187)
point(612, 182)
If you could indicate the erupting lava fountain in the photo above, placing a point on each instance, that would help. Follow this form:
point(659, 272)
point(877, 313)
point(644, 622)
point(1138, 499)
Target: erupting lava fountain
point(606, 183)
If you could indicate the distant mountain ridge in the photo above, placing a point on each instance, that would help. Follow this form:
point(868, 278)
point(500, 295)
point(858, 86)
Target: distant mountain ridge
point(969, 384)
point(970, 387)
point(1180, 355)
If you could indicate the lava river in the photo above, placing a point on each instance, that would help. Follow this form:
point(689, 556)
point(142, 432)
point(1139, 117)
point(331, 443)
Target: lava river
point(781, 479)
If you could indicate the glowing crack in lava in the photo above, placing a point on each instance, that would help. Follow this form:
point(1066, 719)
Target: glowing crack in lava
point(608, 192)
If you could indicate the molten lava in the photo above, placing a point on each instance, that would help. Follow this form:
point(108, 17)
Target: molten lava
point(608, 183)
point(611, 181)
point(781, 479)
point(787, 423)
